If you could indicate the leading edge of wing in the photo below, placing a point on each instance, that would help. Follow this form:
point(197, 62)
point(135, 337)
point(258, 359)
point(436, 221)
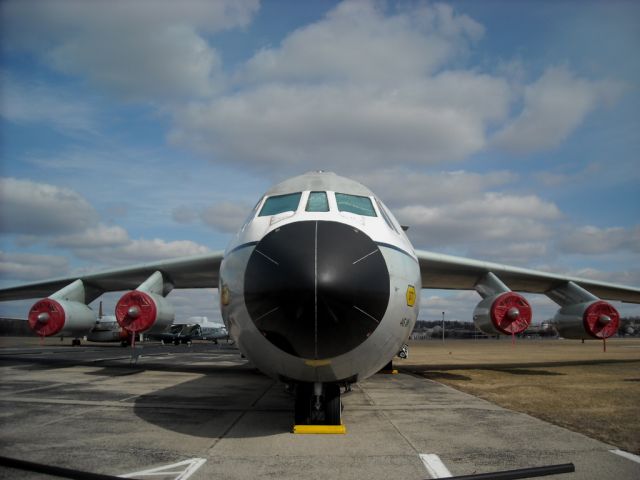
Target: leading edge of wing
point(458, 273)
point(198, 271)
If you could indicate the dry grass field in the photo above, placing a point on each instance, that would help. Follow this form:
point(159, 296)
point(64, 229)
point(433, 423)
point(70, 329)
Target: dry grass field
point(565, 382)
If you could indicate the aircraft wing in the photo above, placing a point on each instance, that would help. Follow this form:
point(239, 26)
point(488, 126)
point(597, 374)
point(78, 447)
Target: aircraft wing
point(458, 273)
point(200, 271)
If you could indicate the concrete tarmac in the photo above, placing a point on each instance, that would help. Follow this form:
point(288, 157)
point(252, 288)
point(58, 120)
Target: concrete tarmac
point(92, 408)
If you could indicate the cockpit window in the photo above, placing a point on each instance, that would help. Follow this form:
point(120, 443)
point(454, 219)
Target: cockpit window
point(280, 203)
point(385, 215)
point(317, 202)
point(355, 204)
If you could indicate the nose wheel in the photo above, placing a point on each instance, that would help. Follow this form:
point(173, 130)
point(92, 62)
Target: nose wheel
point(318, 404)
point(332, 405)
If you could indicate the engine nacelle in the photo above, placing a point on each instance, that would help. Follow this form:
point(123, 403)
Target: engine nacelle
point(506, 313)
point(593, 319)
point(55, 316)
point(139, 311)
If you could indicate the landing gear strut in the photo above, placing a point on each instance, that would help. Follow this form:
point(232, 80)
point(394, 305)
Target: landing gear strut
point(318, 404)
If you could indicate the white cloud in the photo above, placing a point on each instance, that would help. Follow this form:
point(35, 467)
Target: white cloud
point(27, 266)
point(345, 126)
point(28, 207)
point(141, 250)
point(489, 217)
point(590, 240)
point(96, 237)
point(397, 187)
point(358, 41)
point(24, 102)
point(368, 84)
point(225, 216)
point(143, 50)
point(359, 87)
point(554, 106)
point(366, 87)
point(222, 216)
point(174, 60)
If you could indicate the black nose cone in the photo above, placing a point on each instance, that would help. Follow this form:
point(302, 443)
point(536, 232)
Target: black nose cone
point(316, 289)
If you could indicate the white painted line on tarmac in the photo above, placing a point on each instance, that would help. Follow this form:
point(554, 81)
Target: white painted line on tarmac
point(434, 466)
point(627, 455)
point(189, 468)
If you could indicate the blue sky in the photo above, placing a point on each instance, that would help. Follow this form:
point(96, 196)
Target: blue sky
point(136, 131)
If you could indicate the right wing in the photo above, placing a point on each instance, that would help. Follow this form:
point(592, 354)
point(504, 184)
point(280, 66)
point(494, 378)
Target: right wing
point(199, 271)
point(448, 272)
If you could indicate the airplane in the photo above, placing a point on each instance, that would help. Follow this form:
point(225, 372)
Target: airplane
point(202, 329)
point(106, 329)
point(543, 329)
point(320, 288)
point(194, 328)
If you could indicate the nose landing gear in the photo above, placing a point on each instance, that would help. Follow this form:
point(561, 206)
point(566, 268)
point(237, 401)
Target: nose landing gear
point(318, 408)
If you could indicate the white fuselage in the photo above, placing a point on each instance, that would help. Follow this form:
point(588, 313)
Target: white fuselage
point(331, 325)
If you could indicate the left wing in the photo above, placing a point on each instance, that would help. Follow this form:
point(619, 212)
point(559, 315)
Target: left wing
point(448, 272)
point(200, 271)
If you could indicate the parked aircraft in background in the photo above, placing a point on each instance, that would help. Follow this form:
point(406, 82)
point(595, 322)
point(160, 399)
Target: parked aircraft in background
point(194, 328)
point(203, 329)
point(105, 329)
point(320, 288)
point(545, 329)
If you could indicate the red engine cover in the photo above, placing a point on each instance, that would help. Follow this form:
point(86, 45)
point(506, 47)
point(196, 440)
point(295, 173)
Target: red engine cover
point(136, 311)
point(510, 313)
point(594, 315)
point(46, 317)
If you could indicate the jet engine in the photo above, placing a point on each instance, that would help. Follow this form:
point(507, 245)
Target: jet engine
point(146, 309)
point(51, 316)
point(64, 312)
point(138, 311)
point(596, 319)
point(582, 315)
point(506, 313)
point(500, 311)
